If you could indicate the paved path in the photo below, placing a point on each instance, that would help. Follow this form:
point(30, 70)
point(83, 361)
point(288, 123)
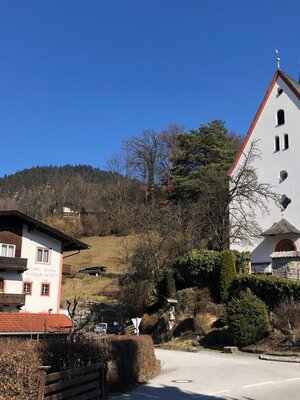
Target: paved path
point(215, 376)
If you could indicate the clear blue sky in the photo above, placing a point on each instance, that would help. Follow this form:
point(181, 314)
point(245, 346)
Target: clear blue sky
point(78, 77)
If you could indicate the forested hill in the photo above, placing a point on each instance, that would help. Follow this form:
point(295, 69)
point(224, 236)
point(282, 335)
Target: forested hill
point(101, 198)
point(40, 176)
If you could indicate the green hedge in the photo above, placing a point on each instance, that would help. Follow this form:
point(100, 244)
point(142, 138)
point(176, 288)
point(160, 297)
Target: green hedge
point(201, 268)
point(271, 290)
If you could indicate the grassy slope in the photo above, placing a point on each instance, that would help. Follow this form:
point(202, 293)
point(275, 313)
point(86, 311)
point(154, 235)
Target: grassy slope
point(111, 252)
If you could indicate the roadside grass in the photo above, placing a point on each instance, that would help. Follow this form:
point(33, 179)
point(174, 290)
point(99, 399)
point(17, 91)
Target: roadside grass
point(188, 342)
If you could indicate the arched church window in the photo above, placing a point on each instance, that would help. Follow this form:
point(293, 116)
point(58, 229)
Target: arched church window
point(285, 245)
point(276, 144)
point(285, 141)
point(280, 117)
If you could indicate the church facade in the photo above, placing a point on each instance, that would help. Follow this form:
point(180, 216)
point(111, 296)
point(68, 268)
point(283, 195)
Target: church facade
point(276, 132)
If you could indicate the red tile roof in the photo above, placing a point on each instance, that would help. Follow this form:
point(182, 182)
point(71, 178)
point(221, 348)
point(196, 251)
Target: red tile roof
point(29, 323)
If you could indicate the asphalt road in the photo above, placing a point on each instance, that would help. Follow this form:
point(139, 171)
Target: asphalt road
point(215, 376)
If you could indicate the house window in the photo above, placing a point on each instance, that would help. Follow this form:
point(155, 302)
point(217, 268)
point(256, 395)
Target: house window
point(7, 250)
point(285, 141)
point(276, 144)
point(1, 285)
point(27, 286)
point(280, 117)
point(285, 245)
point(42, 256)
point(45, 290)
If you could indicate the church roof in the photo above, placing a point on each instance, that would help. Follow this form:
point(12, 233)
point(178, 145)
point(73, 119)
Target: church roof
point(293, 85)
point(283, 226)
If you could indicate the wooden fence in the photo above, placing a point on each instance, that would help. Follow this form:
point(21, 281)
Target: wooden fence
point(85, 383)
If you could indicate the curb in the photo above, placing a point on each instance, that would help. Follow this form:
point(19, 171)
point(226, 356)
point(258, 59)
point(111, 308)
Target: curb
point(280, 358)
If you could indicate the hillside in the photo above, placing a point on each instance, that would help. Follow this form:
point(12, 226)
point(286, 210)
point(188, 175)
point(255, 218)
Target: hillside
point(42, 176)
point(111, 252)
point(102, 198)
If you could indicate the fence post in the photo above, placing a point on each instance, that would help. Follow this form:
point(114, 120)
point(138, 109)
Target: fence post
point(42, 379)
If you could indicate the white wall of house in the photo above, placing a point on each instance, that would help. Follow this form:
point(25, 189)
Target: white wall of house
point(271, 162)
point(41, 273)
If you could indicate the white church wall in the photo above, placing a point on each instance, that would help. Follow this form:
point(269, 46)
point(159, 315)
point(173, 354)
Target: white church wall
point(271, 162)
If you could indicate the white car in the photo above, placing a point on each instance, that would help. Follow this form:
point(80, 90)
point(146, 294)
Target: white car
point(101, 328)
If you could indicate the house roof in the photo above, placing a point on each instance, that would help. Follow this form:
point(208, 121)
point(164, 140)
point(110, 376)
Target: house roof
point(285, 254)
point(283, 226)
point(27, 323)
point(68, 242)
point(295, 88)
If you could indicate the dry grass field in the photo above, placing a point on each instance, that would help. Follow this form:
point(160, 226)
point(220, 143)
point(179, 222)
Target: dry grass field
point(111, 252)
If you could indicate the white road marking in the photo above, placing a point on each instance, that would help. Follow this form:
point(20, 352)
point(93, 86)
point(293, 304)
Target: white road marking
point(258, 384)
point(293, 379)
point(221, 391)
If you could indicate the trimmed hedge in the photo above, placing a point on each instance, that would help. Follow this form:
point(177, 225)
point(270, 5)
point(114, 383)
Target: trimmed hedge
point(130, 359)
point(272, 290)
point(247, 319)
point(201, 268)
point(19, 360)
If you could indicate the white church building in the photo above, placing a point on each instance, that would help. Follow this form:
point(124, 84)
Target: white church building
point(276, 131)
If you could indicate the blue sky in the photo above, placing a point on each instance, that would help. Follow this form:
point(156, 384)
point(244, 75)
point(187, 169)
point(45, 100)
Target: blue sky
point(78, 77)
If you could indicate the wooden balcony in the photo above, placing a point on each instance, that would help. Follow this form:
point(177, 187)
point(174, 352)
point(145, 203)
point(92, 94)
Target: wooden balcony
point(13, 264)
point(12, 299)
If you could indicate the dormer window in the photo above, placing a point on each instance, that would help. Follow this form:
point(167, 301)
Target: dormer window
point(7, 250)
point(280, 117)
point(285, 141)
point(276, 144)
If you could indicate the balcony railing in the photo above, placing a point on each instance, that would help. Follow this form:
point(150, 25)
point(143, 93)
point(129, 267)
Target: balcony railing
point(14, 264)
point(12, 299)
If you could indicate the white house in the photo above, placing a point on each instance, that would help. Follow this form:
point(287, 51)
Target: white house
point(276, 130)
point(31, 258)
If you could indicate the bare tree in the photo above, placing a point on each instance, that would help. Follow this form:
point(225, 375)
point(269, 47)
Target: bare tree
point(247, 199)
point(148, 158)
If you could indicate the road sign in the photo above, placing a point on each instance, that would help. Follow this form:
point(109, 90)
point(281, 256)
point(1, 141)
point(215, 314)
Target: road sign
point(136, 323)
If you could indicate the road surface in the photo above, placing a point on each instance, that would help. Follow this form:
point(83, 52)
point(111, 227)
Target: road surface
point(214, 376)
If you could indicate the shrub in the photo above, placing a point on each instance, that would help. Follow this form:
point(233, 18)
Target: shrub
point(227, 274)
point(18, 369)
point(272, 290)
point(165, 283)
point(247, 319)
point(202, 323)
point(286, 317)
point(242, 261)
point(132, 360)
point(199, 268)
point(186, 301)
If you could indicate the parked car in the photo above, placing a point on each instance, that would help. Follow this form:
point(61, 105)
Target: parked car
point(113, 328)
point(101, 328)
